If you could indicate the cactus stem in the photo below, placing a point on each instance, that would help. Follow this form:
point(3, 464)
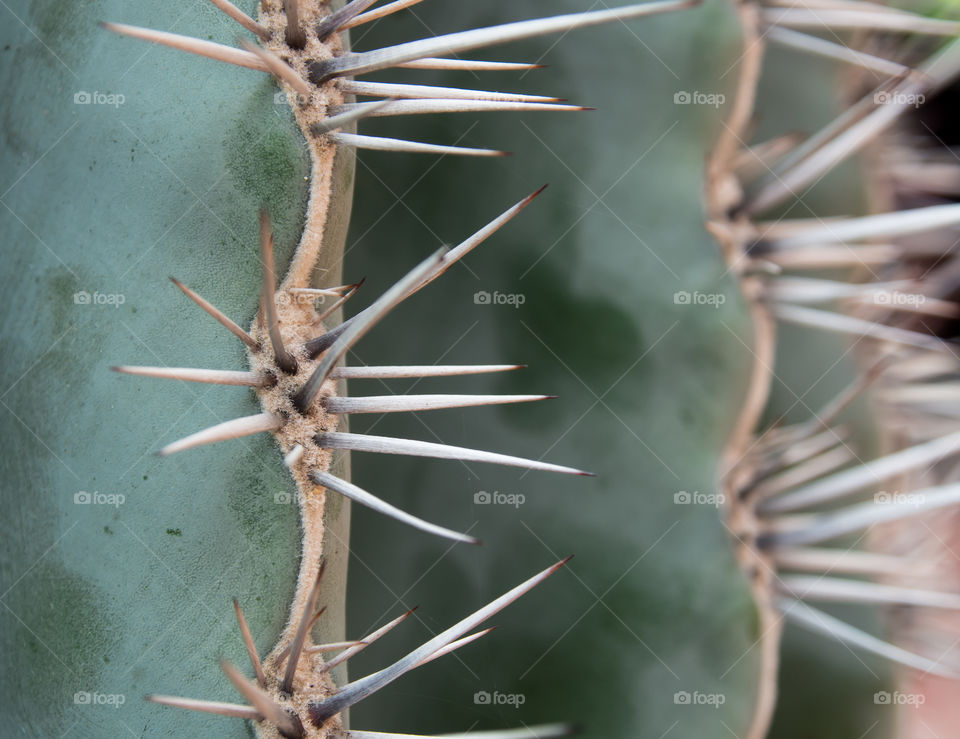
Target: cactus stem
point(351, 64)
point(430, 370)
point(378, 13)
point(295, 36)
point(401, 403)
point(189, 374)
point(219, 316)
point(358, 495)
point(348, 695)
point(840, 590)
point(232, 710)
point(285, 360)
point(368, 640)
point(379, 143)
point(249, 644)
point(296, 645)
point(278, 68)
point(209, 49)
point(337, 20)
point(225, 431)
point(822, 623)
point(415, 448)
point(390, 89)
point(242, 18)
point(288, 724)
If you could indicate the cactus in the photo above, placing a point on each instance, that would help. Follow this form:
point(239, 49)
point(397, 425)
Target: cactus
point(204, 160)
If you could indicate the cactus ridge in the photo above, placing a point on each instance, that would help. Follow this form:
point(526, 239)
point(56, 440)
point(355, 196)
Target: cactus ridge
point(296, 360)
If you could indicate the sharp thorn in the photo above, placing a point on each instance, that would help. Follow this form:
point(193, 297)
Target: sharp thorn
point(356, 113)
point(378, 13)
point(414, 448)
point(400, 403)
point(320, 712)
point(358, 495)
point(379, 143)
point(233, 710)
point(279, 68)
point(188, 374)
point(295, 36)
point(360, 324)
point(822, 623)
point(285, 360)
point(306, 619)
point(208, 49)
point(368, 640)
point(429, 106)
point(359, 63)
point(338, 19)
point(287, 723)
point(398, 91)
point(233, 429)
point(250, 645)
point(218, 315)
point(242, 18)
point(381, 373)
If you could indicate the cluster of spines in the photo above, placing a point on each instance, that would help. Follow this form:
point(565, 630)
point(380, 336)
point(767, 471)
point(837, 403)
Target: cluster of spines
point(800, 475)
point(333, 346)
point(436, 52)
point(264, 707)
